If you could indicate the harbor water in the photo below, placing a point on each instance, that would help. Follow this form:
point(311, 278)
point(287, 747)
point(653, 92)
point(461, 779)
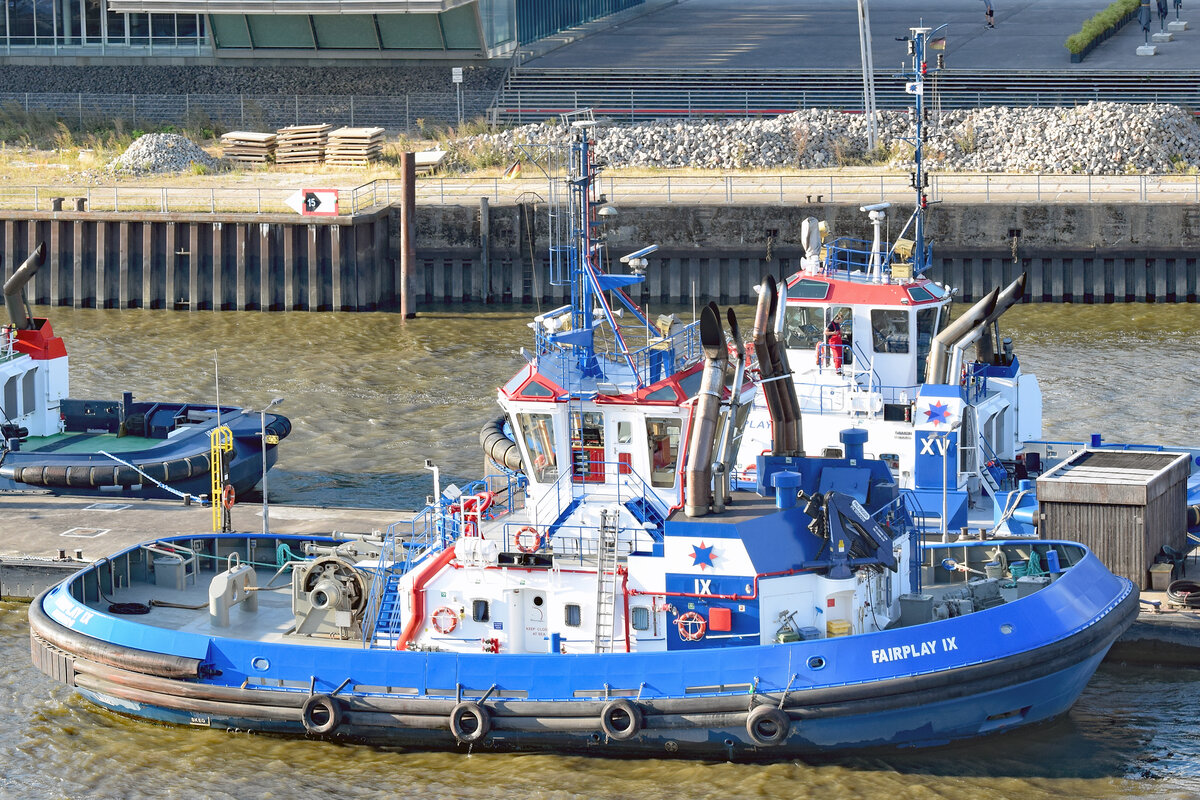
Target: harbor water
point(372, 396)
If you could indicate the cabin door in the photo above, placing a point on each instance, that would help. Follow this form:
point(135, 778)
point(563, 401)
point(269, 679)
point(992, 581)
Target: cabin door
point(531, 618)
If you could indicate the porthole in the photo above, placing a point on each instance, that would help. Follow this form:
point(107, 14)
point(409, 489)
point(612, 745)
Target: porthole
point(816, 662)
point(261, 664)
point(1006, 628)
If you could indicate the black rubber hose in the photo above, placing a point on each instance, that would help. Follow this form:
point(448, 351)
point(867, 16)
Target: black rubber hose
point(1184, 593)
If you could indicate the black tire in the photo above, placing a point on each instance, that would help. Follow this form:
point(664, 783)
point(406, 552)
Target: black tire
point(768, 725)
point(469, 722)
point(621, 720)
point(321, 714)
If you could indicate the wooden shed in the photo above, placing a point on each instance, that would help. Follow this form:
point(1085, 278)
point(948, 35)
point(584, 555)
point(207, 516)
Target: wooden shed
point(1123, 504)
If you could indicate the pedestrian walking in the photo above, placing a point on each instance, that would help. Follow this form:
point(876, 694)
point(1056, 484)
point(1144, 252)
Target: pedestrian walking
point(989, 13)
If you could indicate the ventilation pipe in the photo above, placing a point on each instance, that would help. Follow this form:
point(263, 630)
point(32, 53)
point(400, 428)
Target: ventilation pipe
point(14, 289)
point(936, 366)
point(708, 409)
point(1009, 296)
point(788, 400)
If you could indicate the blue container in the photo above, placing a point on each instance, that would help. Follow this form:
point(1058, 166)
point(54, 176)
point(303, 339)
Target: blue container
point(1052, 565)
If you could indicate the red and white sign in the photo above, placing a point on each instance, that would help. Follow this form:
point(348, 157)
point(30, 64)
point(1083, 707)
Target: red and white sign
point(314, 202)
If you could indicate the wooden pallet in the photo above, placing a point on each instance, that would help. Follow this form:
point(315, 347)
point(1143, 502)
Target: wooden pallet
point(248, 146)
point(354, 147)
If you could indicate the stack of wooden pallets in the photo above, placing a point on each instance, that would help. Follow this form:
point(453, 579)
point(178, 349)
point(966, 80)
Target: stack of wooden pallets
point(301, 144)
point(248, 147)
point(354, 147)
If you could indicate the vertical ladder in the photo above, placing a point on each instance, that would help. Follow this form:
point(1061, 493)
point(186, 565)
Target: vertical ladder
point(606, 579)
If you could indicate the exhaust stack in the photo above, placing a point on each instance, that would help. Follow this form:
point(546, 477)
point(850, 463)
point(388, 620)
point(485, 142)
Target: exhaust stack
point(936, 367)
point(14, 289)
point(708, 409)
point(1009, 296)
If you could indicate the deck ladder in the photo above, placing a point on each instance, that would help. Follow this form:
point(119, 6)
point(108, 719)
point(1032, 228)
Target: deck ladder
point(606, 579)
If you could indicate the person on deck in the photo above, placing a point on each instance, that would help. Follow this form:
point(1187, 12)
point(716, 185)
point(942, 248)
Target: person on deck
point(833, 346)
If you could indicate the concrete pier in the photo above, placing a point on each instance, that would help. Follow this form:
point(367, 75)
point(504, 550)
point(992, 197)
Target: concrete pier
point(45, 538)
point(1090, 253)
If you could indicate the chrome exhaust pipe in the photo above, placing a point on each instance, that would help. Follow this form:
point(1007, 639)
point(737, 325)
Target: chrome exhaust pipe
point(736, 420)
point(708, 408)
point(1009, 296)
point(936, 366)
point(788, 399)
point(14, 289)
point(769, 388)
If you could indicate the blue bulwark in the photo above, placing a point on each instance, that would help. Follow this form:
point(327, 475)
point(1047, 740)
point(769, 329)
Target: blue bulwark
point(726, 603)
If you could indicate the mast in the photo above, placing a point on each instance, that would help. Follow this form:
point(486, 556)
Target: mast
point(920, 41)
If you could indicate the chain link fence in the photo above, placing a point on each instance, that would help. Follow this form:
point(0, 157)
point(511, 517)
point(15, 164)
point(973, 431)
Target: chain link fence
point(403, 113)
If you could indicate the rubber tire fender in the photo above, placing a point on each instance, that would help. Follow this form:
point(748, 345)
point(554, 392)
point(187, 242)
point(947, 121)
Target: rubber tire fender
point(468, 709)
point(321, 714)
point(768, 725)
point(614, 712)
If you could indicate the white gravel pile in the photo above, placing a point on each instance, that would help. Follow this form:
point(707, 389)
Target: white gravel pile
point(1096, 138)
point(160, 153)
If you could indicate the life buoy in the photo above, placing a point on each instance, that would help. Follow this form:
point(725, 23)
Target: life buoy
point(621, 719)
point(444, 620)
point(521, 540)
point(469, 722)
point(321, 714)
point(691, 626)
point(228, 496)
point(768, 725)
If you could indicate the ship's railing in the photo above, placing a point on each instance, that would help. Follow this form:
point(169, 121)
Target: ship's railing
point(620, 486)
point(900, 516)
point(8, 340)
point(976, 386)
point(652, 362)
point(824, 398)
point(405, 544)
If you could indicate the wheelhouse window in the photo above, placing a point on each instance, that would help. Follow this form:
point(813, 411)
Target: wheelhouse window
point(662, 440)
point(538, 430)
point(889, 330)
point(927, 328)
point(802, 327)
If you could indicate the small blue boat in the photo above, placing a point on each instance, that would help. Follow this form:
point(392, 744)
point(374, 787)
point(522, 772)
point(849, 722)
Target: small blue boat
point(604, 591)
point(114, 447)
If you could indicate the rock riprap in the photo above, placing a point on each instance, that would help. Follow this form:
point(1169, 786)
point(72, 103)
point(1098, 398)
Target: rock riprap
point(1097, 138)
point(161, 153)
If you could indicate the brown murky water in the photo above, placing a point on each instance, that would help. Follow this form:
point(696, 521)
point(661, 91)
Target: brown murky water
point(372, 396)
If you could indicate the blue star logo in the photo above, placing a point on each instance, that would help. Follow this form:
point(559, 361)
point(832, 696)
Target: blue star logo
point(703, 556)
point(937, 413)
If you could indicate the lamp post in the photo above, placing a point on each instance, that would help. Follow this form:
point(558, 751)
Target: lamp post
point(262, 417)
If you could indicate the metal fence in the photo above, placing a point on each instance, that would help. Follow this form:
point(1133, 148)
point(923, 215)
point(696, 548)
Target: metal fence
point(402, 113)
point(632, 191)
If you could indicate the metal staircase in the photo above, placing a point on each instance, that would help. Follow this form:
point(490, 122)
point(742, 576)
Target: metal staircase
point(606, 579)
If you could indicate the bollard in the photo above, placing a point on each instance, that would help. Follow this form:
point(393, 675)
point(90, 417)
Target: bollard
point(56, 203)
point(81, 204)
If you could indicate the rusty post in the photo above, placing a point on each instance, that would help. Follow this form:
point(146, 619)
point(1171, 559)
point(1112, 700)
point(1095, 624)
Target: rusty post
point(408, 229)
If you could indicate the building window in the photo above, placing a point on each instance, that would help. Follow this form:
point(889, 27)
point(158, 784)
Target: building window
point(572, 615)
point(479, 611)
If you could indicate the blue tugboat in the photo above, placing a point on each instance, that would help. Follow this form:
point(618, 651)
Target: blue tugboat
point(605, 591)
point(113, 447)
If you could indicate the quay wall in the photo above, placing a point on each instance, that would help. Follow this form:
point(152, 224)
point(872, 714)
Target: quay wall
point(1089, 253)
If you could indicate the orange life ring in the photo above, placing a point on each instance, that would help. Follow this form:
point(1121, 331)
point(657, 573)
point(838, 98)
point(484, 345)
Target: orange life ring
point(520, 540)
point(444, 620)
point(227, 496)
point(691, 626)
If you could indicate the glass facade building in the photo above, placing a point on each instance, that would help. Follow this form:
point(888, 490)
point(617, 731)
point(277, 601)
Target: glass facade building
point(289, 28)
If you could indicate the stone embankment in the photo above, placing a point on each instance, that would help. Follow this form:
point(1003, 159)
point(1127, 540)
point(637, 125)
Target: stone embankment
point(1096, 138)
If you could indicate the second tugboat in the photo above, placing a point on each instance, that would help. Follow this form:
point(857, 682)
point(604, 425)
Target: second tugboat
point(113, 447)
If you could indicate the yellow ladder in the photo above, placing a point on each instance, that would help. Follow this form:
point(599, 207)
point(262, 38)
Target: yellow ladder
point(220, 442)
